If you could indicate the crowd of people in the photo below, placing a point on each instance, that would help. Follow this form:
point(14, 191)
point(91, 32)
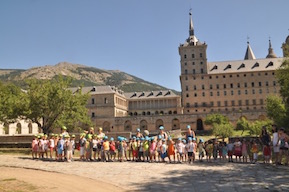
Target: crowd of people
point(161, 147)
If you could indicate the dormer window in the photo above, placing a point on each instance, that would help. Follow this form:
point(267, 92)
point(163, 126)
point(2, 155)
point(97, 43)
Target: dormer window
point(134, 95)
point(151, 93)
point(215, 67)
point(142, 94)
point(241, 66)
point(168, 93)
point(160, 93)
point(229, 66)
point(270, 64)
point(256, 65)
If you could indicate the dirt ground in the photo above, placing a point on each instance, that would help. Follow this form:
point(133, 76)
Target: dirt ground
point(19, 179)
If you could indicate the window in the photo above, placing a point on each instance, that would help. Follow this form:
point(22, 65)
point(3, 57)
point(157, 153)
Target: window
point(219, 103)
point(274, 83)
point(92, 101)
point(253, 91)
point(240, 102)
point(224, 76)
point(254, 101)
point(261, 102)
point(233, 103)
point(187, 95)
point(193, 63)
point(195, 87)
point(245, 75)
point(247, 102)
point(232, 92)
point(260, 91)
point(218, 93)
point(202, 77)
point(266, 73)
point(217, 86)
point(246, 92)
point(203, 94)
point(252, 74)
point(253, 84)
point(201, 54)
point(231, 86)
point(201, 62)
point(196, 95)
point(185, 56)
point(204, 104)
point(231, 76)
point(260, 84)
point(185, 63)
point(238, 85)
point(217, 77)
point(210, 77)
point(211, 86)
point(105, 101)
point(202, 70)
point(245, 84)
point(211, 93)
point(267, 83)
point(211, 103)
point(225, 86)
point(196, 104)
point(203, 87)
point(239, 92)
point(194, 71)
point(225, 93)
point(226, 103)
point(186, 78)
point(186, 71)
point(187, 88)
point(193, 55)
point(92, 114)
point(188, 104)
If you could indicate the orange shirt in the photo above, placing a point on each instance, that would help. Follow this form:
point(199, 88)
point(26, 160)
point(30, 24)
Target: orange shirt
point(105, 145)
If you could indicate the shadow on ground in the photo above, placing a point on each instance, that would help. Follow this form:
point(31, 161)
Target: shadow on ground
point(240, 177)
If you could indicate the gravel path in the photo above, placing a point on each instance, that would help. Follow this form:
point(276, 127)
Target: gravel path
point(166, 177)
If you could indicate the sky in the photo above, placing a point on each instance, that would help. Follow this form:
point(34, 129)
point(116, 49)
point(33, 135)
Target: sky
point(139, 37)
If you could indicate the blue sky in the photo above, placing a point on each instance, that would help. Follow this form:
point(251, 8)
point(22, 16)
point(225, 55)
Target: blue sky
point(134, 36)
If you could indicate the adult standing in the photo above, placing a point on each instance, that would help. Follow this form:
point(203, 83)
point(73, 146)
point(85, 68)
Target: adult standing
point(162, 133)
point(100, 134)
point(138, 133)
point(190, 133)
point(283, 139)
point(265, 139)
point(275, 143)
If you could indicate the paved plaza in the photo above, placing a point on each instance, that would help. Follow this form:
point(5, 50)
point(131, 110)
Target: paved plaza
point(133, 176)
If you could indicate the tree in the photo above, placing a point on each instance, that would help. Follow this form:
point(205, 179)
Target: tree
point(50, 104)
point(242, 124)
point(255, 128)
point(11, 102)
point(216, 118)
point(223, 130)
point(276, 110)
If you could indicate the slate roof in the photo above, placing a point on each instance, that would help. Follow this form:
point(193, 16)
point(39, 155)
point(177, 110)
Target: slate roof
point(150, 95)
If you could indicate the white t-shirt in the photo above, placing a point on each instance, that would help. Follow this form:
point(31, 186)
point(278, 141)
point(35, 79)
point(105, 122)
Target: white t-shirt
point(190, 147)
point(180, 147)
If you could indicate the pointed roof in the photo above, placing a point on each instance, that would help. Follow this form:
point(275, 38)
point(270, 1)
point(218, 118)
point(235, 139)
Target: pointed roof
point(191, 25)
point(271, 53)
point(192, 40)
point(249, 53)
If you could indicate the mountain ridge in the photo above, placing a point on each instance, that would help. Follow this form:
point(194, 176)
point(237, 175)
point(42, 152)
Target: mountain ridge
point(82, 75)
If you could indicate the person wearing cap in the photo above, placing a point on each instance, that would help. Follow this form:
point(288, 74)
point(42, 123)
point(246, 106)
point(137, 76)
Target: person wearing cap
point(146, 149)
point(138, 133)
point(171, 150)
point(152, 151)
point(201, 148)
point(94, 146)
point(179, 148)
point(68, 148)
point(163, 150)
point(162, 133)
point(41, 146)
point(64, 131)
point(60, 147)
point(185, 154)
point(158, 149)
point(72, 140)
point(82, 142)
point(51, 145)
point(190, 132)
point(191, 150)
point(141, 150)
point(129, 149)
point(112, 149)
point(135, 146)
point(88, 147)
point(56, 138)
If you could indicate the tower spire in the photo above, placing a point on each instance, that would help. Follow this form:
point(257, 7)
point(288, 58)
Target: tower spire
point(191, 25)
point(271, 53)
point(249, 52)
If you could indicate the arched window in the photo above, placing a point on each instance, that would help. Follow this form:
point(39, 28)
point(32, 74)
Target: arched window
point(159, 123)
point(127, 126)
point(19, 128)
point(106, 126)
point(175, 124)
point(143, 125)
point(30, 128)
point(200, 125)
point(6, 128)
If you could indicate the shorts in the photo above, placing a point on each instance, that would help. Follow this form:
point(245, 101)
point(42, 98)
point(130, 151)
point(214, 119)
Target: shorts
point(94, 149)
point(181, 154)
point(244, 153)
point(59, 151)
point(81, 151)
point(276, 149)
point(146, 153)
point(163, 155)
point(230, 153)
point(238, 153)
point(112, 153)
point(190, 154)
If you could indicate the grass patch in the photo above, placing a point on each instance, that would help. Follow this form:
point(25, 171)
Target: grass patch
point(14, 185)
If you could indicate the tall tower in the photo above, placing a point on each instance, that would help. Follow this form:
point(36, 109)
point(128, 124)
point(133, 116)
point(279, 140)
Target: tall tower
point(285, 47)
point(193, 54)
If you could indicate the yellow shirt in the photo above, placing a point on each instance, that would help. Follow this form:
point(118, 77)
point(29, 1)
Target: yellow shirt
point(105, 145)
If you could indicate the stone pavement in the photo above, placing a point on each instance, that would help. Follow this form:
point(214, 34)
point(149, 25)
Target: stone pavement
point(167, 177)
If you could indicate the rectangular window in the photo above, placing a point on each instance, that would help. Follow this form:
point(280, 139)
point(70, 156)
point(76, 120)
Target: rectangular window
point(204, 104)
point(238, 85)
point(203, 87)
point(193, 55)
point(195, 87)
point(240, 102)
point(267, 83)
point(226, 103)
point(233, 103)
point(218, 93)
point(253, 91)
point(260, 84)
point(274, 83)
point(202, 70)
point(217, 86)
point(239, 92)
point(201, 54)
point(203, 94)
point(253, 84)
point(225, 86)
point(261, 102)
point(196, 104)
point(194, 71)
point(231, 85)
point(260, 91)
point(247, 102)
point(92, 101)
point(246, 92)
point(185, 63)
point(225, 93)
point(211, 86)
point(211, 93)
point(245, 84)
point(92, 114)
point(185, 56)
point(193, 63)
point(188, 104)
point(187, 88)
point(219, 103)
point(211, 103)
point(232, 92)
point(254, 101)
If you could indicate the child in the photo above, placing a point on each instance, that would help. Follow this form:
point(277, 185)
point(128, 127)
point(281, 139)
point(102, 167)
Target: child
point(46, 146)
point(245, 151)
point(140, 150)
point(215, 150)
point(121, 149)
point(159, 144)
point(41, 146)
point(185, 152)
point(94, 146)
point(51, 145)
point(201, 148)
point(55, 145)
point(34, 147)
point(68, 146)
point(163, 151)
point(125, 148)
point(130, 149)
point(60, 145)
point(72, 140)
point(180, 150)
point(238, 149)
point(190, 148)
point(134, 149)
point(209, 149)
point(112, 149)
point(105, 149)
point(254, 150)
point(88, 147)
point(224, 151)
point(152, 149)
point(146, 149)
point(267, 153)
point(171, 150)
point(99, 147)
point(82, 142)
point(230, 148)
